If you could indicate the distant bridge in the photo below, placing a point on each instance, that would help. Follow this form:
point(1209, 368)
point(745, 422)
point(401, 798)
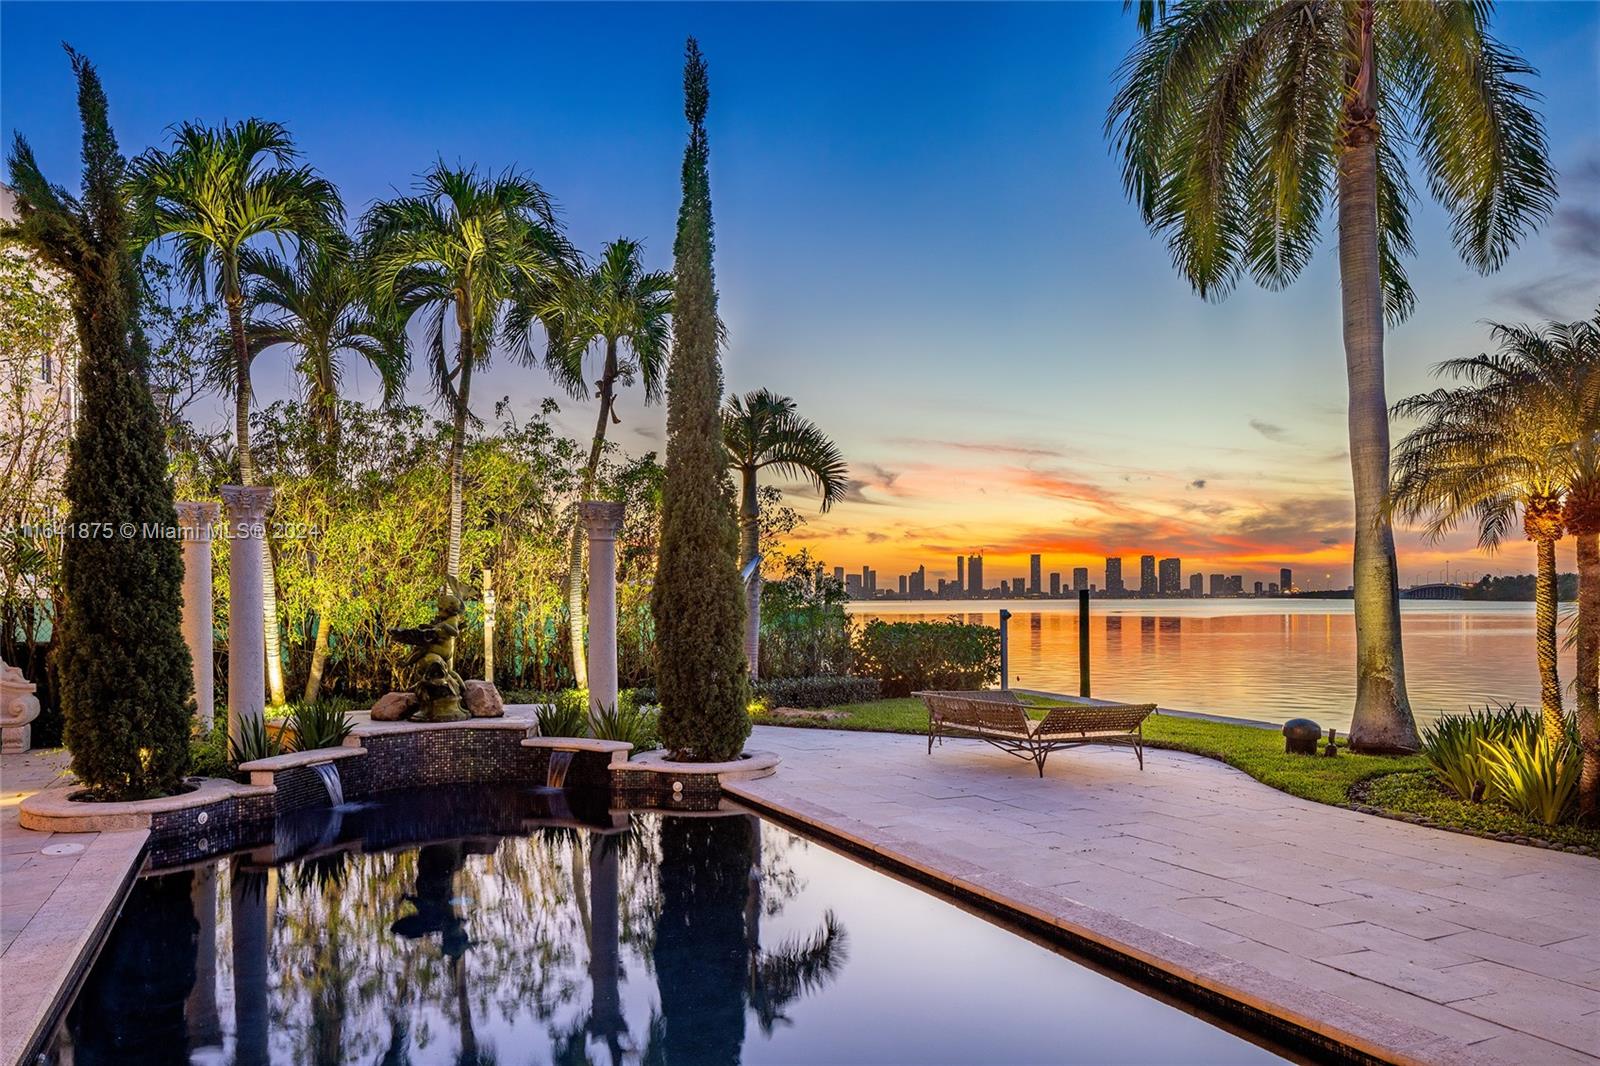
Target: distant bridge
point(1437, 591)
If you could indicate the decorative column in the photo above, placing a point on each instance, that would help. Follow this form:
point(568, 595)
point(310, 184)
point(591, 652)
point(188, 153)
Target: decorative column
point(249, 889)
point(205, 1026)
point(247, 633)
point(194, 523)
point(602, 521)
point(18, 707)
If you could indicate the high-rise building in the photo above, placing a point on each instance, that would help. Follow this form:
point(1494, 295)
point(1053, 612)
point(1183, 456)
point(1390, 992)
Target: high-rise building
point(919, 582)
point(1055, 583)
point(1219, 584)
point(1147, 575)
point(1259, 588)
point(838, 574)
point(1033, 575)
point(961, 572)
point(1113, 577)
point(852, 586)
point(1197, 585)
point(902, 584)
point(1171, 583)
point(1273, 589)
point(975, 575)
point(1016, 586)
point(1080, 577)
point(1285, 580)
point(1236, 584)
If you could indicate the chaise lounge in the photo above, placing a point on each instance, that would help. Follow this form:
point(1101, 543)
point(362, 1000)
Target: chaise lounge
point(1001, 719)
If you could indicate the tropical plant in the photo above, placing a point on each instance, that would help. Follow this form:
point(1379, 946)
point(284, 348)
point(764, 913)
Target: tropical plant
point(1241, 127)
point(1534, 776)
point(1454, 745)
point(805, 629)
point(254, 740)
point(908, 656)
point(565, 715)
point(317, 307)
point(625, 721)
point(697, 602)
point(458, 251)
point(614, 303)
point(321, 724)
point(761, 430)
point(211, 195)
point(1482, 452)
point(124, 670)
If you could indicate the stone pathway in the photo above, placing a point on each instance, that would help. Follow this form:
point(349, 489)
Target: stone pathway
point(55, 891)
point(1429, 946)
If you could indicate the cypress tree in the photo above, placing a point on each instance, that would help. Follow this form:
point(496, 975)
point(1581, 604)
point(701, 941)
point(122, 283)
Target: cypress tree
point(126, 689)
point(698, 598)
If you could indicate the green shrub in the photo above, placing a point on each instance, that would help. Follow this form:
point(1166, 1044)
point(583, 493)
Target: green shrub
point(321, 723)
point(626, 721)
point(1456, 745)
point(1533, 776)
point(816, 691)
point(255, 741)
point(566, 714)
point(908, 656)
point(208, 755)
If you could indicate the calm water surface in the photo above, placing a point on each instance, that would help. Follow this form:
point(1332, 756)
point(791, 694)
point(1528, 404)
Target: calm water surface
point(1266, 659)
point(394, 935)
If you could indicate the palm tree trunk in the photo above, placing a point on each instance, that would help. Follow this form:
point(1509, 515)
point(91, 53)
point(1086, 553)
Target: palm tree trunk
point(319, 656)
point(575, 613)
point(1382, 719)
point(247, 476)
point(1544, 638)
point(1589, 673)
point(749, 546)
point(458, 447)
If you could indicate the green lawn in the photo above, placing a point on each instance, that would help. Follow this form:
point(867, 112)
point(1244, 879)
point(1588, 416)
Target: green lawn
point(1406, 788)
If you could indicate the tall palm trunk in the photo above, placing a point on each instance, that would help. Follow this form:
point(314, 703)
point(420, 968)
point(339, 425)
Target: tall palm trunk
point(1583, 511)
point(749, 545)
point(1382, 720)
point(575, 613)
point(247, 476)
point(1544, 639)
point(458, 444)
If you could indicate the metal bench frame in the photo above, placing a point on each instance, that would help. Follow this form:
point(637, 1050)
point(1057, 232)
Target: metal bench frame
point(1000, 720)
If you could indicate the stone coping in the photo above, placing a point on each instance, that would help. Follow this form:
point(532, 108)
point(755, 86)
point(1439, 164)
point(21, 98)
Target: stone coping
point(52, 952)
point(1329, 1017)
point(618, 749)
point(290, 759)
point(378, 729)
point(51, 811)
point(755, 764)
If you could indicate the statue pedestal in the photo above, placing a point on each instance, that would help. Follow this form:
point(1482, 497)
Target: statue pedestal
point(18, 707)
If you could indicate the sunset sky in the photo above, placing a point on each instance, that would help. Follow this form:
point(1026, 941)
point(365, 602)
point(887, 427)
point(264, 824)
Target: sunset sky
point(921, 238)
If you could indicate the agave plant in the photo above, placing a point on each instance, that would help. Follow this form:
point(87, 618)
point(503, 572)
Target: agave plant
point(321, 724)
point(255, 741)
point(624, 721)
point(566, 715)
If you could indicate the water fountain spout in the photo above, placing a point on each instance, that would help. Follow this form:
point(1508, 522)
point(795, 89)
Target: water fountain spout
point(329, 772)
point(560, 762)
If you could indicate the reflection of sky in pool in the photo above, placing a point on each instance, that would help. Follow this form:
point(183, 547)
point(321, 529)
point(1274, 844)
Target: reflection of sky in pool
point(649, 945)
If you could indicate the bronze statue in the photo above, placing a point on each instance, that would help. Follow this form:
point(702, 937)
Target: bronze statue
point(438, 687)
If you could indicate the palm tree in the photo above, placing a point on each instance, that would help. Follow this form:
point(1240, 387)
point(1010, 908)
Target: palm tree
point(1241, 126)
point(1481, 452)
point(317, 306)
point(211, 195)
point(762, 430)
point(615, 303)
point(459, 250)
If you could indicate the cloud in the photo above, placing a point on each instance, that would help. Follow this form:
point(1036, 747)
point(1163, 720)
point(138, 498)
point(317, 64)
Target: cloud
point(1197, 483)
point(1575, 236)
point(986, 447)
point(1270, 431)
point(874, 537)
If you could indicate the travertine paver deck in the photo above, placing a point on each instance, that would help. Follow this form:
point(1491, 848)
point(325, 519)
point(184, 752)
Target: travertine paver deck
point(51, 905)
point(1436, 939)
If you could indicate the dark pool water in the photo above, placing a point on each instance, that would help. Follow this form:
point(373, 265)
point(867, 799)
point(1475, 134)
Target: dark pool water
point(514, 927)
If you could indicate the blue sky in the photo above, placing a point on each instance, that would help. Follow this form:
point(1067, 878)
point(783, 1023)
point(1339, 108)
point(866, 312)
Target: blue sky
point(921, 237)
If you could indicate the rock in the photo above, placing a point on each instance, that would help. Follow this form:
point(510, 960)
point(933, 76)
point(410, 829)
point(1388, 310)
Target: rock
point(394, 707)
point(482, 700)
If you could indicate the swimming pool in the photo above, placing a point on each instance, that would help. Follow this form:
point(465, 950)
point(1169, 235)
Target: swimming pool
point(470, 926)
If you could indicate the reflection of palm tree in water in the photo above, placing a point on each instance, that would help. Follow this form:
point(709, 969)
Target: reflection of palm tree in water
point(708, 956)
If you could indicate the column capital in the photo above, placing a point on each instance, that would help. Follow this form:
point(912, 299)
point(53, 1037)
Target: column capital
point(198, 515)
point(247, 503)
point(601, 518)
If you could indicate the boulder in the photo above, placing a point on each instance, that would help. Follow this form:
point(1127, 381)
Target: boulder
point(482, 700)
point(394, 707)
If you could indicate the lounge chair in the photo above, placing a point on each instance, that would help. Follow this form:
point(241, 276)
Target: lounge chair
point(1001, 719)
